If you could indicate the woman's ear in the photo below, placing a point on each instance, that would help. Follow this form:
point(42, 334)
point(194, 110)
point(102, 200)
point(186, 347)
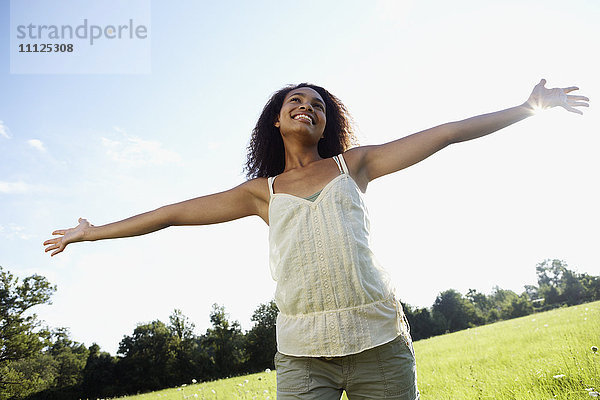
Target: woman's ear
point(277, 124)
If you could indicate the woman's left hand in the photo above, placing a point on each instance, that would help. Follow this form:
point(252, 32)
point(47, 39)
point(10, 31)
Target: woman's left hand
point(542, 98)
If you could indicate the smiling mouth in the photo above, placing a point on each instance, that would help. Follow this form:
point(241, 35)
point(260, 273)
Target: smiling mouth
point(304, 117)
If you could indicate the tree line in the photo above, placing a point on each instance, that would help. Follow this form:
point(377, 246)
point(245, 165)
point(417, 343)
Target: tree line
point(37, 362)
point(451, 311)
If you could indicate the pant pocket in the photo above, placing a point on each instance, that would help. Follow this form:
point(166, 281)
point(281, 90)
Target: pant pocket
point(398, 369)
point(293, 373)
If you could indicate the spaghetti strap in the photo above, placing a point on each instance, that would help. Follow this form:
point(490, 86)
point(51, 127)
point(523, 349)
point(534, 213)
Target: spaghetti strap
point(335, 158)
point(270, 180)
point(343, 162)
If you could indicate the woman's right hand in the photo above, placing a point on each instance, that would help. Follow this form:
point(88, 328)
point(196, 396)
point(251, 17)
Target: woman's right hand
point(71, 235)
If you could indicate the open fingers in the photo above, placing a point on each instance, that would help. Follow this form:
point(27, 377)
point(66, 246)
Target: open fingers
point(57, 247)
point(56, 239)
point(54, 244)
point(576, 101)
point(572, 97)
point(51, 245)
point(578, 104)
point(52, 241)
point(570, 89)
point(571, 109)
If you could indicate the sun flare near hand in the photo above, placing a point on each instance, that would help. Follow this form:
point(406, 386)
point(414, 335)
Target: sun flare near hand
point(536, 107)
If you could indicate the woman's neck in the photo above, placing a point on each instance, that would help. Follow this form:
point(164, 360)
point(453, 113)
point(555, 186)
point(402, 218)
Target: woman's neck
point(300, 157)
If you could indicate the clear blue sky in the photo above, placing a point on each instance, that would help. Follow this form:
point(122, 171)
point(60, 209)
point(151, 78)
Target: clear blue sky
point(478, 214)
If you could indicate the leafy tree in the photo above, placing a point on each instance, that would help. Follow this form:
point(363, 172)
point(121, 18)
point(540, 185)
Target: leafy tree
point(573, 291)
point(502, 301)
point(63, 362)
point(550, 272)
point(191, 362)
point(181, 326)
point(452, 311)
point(534, 296)
point(33, 374)
point(559, 285)
point(225, 339)
point(591, 286)
point(203, 359)
point(20, 337)
point(148, 356)
point(520, 306)
point(422, 325)
point(70, 357)
point(99, 375)
point(483, 305)
point(551, 295)
point(261, 342)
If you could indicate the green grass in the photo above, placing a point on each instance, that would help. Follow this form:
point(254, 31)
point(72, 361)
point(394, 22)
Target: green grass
point(540, 356)
point(523, 358)
point(255, 386)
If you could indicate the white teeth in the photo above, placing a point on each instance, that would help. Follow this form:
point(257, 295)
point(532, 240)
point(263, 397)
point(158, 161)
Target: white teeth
point(305, 117)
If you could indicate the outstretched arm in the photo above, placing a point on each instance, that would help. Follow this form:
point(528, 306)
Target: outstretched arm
point(244, 200)
point(370, 162)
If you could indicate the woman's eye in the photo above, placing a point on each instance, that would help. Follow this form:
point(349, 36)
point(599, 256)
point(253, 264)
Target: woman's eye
point(294, 99)
point(319, 106)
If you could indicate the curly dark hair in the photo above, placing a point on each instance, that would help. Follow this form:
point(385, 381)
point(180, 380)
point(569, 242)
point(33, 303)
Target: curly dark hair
point(266, 154)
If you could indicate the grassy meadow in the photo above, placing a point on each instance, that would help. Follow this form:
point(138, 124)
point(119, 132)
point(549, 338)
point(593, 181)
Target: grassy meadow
point(541, 356)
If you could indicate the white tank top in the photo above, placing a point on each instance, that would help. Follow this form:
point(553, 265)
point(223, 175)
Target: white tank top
point(334, 298)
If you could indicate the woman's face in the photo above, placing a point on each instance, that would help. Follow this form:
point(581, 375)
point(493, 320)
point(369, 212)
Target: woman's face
point(303, 113)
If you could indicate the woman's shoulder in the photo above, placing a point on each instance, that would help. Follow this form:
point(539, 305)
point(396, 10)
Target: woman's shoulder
point(357, 151)
point(258, 187)
point(355, 161)
point(255, 194)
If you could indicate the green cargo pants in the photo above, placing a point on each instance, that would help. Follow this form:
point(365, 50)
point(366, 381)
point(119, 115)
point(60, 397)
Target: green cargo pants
point(383, 372)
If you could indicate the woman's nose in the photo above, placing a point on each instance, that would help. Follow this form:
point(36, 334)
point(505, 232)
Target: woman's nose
point(306, 107)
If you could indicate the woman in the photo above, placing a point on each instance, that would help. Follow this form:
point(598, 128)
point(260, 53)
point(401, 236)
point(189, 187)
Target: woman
point(340, 325)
